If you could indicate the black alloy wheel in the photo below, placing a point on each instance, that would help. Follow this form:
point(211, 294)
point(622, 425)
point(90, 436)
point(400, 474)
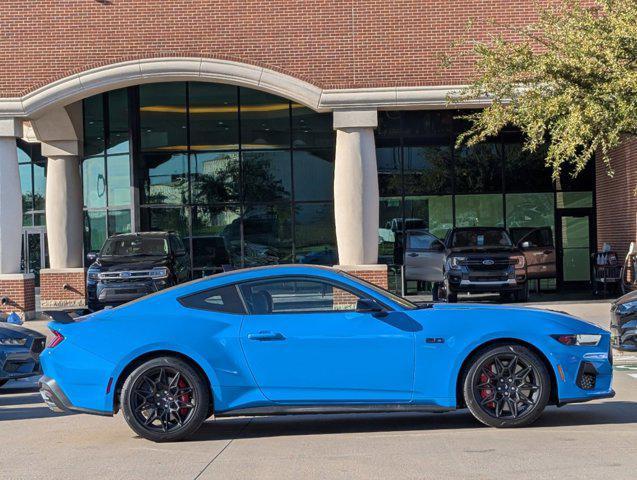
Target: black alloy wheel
point(165, 399)
point(506, 386)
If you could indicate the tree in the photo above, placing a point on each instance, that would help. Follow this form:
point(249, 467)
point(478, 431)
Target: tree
point(569, 79)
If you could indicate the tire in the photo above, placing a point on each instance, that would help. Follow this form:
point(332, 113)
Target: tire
point(522, 295)
point(508, 407)
point(184, 394)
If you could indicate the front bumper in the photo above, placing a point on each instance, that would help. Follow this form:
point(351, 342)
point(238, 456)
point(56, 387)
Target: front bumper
point(491, 281)
point(623, 329)
point(101, 294)
point(58, 402)
point(21, 362)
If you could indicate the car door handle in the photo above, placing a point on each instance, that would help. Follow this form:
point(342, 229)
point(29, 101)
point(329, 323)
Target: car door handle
point(265, 336)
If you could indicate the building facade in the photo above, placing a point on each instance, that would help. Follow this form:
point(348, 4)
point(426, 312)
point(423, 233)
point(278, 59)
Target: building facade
point(293, 132)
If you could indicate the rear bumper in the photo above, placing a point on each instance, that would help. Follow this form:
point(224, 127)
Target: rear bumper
point(58, 402)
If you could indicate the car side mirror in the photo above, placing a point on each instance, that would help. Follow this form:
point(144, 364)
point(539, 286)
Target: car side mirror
point(438, 247)
point(368, 305)
point(525, 245)
point(91, 256)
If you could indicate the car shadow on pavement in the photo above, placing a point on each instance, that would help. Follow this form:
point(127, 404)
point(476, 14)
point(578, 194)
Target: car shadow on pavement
point(606, 413)
point(23, 404)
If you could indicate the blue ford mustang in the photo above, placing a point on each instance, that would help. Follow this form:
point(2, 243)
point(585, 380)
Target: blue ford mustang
point(307, 339)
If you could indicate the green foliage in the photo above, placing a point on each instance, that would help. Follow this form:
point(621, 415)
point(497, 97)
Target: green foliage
point(569, 79)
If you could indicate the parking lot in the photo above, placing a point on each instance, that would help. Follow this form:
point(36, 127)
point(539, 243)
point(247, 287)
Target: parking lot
point(575, 441)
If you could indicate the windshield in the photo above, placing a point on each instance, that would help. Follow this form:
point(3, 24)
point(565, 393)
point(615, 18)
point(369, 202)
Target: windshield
point(481, 237)
point(131, 246)
point(406, 304)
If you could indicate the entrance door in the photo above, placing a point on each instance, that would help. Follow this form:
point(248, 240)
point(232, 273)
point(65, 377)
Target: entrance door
point(34, 251)
point(574, 246)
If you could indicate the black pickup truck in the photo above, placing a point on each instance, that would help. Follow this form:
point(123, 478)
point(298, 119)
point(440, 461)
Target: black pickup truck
point(132, 265)
point(469, 259)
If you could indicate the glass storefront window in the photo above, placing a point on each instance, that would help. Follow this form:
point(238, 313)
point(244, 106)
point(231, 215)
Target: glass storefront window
point(162, 116)
point(118, 180)
point(311, 129)
point(479, 211)
point(94, 182)
point(390, 181)
point(214, 116)
point(94, 139)
point(427, 169)
point(165, 179)
point(118, 141)
point(94, 230)
point(216, 237)
point(390, 227)
point(214, 177)
point(119, 221)
point(267, 175)
point(161, 219)
point(530, 210)
point(265, 120)
point(313, 174)
point(26, 184)
point(574, 199)
point(39, 185)
point(526, 171)
point(478, 169)
point(435, 212)
point(314, 234)
point(267, 234)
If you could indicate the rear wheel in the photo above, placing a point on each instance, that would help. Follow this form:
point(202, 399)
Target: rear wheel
point(165, 399)
point(506, 386)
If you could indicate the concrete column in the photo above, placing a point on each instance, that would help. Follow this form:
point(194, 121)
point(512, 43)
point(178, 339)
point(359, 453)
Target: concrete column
point(64, 217)
point(356, 187)
point(10, 197)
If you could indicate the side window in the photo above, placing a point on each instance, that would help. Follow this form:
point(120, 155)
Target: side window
point(223, 299)
point(177, 245)
point(422, 241)
point(296, 296)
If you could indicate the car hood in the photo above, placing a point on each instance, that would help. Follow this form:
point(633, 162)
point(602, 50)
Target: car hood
point(8, 330)
point(629, 297)
point(489, 250)
point(108, 264)
point(563, 320)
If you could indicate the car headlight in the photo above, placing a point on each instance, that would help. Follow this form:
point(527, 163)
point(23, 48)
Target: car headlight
point(453, 263)
point(93, 275)
point(625, 307)
point(13, 341)
point(159, 272)
point(520, 261)
point(586, 340)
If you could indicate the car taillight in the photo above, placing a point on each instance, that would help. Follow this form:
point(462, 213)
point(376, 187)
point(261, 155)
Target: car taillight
point(57, 339)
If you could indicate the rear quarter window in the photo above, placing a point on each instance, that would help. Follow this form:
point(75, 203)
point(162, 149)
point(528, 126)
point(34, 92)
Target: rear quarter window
point(222, 299)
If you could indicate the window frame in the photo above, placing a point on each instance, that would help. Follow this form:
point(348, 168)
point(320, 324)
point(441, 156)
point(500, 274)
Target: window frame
point(182, 300)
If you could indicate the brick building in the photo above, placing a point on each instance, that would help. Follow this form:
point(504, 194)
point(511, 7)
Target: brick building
point(334, 113)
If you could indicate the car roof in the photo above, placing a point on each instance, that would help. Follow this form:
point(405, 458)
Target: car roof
point(142, 234)
point(459, 229)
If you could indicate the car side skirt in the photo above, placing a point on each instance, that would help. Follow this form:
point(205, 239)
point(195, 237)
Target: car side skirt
point(327, 409)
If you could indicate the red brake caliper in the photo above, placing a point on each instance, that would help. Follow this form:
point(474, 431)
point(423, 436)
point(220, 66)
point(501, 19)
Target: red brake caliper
point(184, 398)
point(486, 393)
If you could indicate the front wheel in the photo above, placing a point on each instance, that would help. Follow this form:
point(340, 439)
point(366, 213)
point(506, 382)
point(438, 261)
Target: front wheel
point(506, 386)
point(165, 399)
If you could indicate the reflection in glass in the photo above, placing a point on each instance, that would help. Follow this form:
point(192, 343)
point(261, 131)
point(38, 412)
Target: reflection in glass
point(214, 116)
point(118, 180)
point(265, 120)
point(26, 186)
point(94, 182)
point(214, 177)
point(39, 185)
point(576, 260)
point(215, 239)
point(267, 234)
point(164, 178)
point(94, 230)
point(267, 175)
point(39, 219)
point(162, 116)
point(526, 171)
point(161, 219)
point(314, 234)
point(479, 211)
point(389, 171)
point(478, 169)
point(530, 210)
point(574, 199)
point(427, 169)
point(311, 129)
point(119, 221)
point(434, 212)
point(93, 108)
point(313, 174)
point(118, 121)
point(390, 228)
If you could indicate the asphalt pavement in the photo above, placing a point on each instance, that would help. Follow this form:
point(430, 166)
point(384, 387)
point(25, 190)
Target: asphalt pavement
point(581, 441)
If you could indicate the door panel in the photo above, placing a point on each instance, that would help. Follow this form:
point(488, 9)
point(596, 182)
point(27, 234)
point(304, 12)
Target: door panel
point(424, 257)
point(305, 344)
point(539, 251)
point(575, 247)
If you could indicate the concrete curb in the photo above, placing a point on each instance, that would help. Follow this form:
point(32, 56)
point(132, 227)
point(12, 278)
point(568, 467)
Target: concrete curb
point(624, 358)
